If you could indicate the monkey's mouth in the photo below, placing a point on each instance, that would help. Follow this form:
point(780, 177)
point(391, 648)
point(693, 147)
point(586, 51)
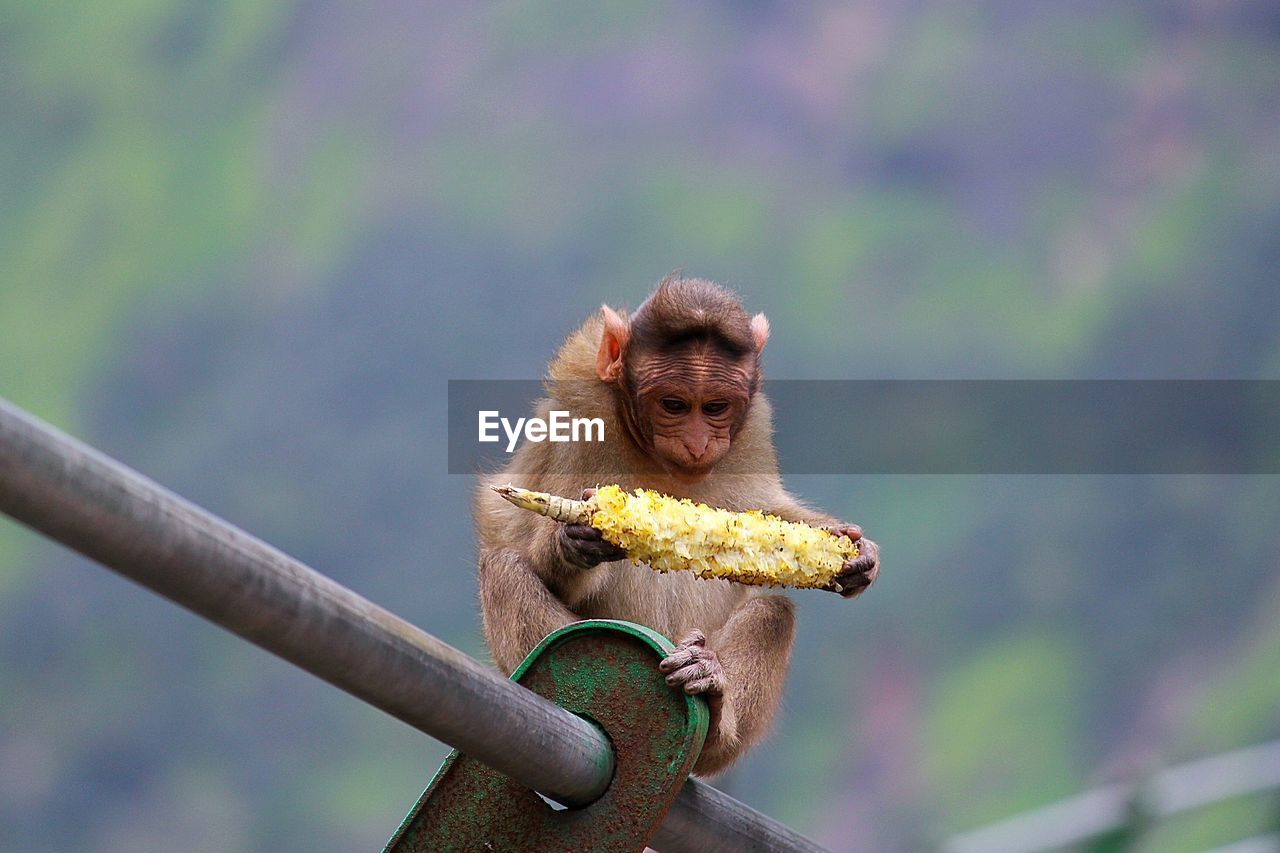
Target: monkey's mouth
point(687, 474)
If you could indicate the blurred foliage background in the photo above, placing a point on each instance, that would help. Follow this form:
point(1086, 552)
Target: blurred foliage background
point(246, 244)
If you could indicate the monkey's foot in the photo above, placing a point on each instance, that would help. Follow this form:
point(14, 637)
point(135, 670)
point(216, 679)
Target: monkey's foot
point(693, 667)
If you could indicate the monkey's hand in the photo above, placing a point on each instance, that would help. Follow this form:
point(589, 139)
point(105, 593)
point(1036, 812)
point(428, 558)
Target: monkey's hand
point(695, 668)
point(858, 574)
point(584, 546)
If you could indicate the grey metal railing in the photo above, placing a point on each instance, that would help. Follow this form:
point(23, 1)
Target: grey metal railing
point(114, 515)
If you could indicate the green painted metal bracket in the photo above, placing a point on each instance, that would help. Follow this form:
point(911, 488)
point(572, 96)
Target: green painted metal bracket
point(603, 670)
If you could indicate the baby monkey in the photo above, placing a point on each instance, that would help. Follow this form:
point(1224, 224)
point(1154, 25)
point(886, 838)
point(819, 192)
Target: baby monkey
point(677, 385)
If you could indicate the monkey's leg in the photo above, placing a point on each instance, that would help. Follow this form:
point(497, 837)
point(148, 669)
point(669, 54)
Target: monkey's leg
point(518, 608)
point(740, 671)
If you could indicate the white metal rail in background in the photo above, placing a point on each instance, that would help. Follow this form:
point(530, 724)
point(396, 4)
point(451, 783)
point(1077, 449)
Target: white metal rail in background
point(1110, 808)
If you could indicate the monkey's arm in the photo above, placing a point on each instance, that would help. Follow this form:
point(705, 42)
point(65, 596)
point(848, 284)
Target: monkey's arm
point(517, 607)
point(740, 673)
point(790, 508)
point(859, 573)
point(532, 573)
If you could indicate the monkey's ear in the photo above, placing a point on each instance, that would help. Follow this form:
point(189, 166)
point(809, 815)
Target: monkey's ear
point(613, 341)
point(760, 330)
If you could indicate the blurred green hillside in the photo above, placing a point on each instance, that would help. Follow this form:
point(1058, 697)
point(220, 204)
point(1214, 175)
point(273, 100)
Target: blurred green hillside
point(246, 245)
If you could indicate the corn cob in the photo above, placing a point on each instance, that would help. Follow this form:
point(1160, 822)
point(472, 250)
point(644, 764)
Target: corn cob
point(672, 534)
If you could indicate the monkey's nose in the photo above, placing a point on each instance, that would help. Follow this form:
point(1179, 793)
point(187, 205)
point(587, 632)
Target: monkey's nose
point(697, 452)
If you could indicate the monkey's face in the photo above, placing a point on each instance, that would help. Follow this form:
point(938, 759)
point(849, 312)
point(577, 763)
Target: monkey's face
point(691, 409)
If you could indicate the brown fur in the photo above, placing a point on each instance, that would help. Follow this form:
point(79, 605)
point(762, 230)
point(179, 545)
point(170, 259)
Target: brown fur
point(685, 308)
point(528, 590)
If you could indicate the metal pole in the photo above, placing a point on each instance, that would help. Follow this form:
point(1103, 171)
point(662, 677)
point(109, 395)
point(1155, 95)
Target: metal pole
point(705, 820)
point(112, 514)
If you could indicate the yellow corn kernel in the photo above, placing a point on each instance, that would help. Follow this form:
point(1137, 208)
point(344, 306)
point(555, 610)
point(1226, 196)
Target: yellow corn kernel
point(676, 534)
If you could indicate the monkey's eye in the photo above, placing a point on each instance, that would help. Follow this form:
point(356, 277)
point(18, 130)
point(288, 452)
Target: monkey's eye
point(674, 405)
point(716, 408)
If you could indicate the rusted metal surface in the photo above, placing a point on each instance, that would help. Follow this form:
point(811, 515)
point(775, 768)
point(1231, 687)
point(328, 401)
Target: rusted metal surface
point(603, 670)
